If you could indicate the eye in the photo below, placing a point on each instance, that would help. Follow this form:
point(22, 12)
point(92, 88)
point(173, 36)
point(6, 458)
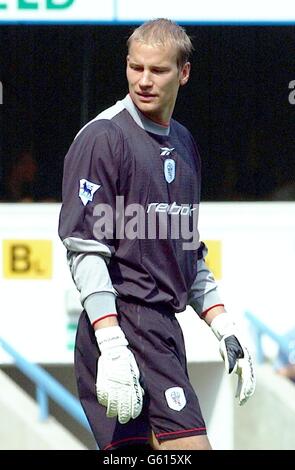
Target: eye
point(135, 67)
point(159, 71)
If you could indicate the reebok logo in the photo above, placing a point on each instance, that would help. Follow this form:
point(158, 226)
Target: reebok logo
point(166, 150)
point(172, 209)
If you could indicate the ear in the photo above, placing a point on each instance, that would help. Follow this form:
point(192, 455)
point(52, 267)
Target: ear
point(184, 74)
point(127, 62)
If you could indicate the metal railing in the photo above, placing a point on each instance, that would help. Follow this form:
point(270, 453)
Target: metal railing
point(260, 329)
point(47, 386)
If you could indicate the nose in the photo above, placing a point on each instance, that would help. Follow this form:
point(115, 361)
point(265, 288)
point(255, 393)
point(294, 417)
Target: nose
point(145, 79)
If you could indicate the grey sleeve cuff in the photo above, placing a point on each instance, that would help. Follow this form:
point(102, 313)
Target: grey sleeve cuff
point(77, 245)
point(204, 290)
point(203, 303)
point(90, 274)
point(99, 305)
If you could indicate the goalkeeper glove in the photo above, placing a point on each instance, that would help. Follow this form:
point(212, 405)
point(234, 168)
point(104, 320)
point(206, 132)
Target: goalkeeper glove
point(117, 383)
point(235, 354)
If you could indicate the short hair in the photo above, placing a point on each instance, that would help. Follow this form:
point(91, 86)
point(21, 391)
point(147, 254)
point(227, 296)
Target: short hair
point(162, 31)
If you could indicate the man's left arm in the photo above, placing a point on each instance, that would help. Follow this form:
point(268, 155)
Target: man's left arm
point(205, 300)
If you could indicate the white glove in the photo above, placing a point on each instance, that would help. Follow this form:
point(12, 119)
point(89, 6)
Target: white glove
point(235, 354)
point(117, 383)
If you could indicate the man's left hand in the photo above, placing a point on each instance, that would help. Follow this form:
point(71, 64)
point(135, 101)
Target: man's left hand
point(236, 356)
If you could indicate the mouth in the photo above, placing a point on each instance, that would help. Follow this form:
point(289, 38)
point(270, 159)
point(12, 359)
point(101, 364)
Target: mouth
point(146, 96)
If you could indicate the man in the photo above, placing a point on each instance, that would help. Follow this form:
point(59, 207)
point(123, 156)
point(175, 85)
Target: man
point(135, 272)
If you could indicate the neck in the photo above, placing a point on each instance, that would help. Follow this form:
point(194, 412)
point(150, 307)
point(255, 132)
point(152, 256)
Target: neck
point(161, 122)
point(157, 121)
point(145, 121)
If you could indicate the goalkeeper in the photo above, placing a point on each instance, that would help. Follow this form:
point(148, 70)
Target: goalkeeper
point(131, 191)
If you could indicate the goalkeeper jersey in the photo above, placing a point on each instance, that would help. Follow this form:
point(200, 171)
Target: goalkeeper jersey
point(131, 192)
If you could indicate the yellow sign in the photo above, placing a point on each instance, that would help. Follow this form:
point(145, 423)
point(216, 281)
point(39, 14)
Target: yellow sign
point(214, 257)
point(27, 259)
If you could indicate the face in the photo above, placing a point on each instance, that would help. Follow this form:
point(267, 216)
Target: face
point(154, 79)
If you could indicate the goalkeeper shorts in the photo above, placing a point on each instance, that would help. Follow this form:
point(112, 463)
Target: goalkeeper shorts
point(170, 408)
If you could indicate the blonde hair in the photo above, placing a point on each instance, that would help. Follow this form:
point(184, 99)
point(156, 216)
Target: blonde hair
point(162, 32)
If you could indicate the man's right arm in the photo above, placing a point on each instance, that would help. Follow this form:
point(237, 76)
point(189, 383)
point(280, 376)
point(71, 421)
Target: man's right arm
point(90, 181)
point(117, 381)
point(97, 294)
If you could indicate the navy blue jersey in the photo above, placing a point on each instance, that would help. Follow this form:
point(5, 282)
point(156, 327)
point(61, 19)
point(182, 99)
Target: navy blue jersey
point(131, 191)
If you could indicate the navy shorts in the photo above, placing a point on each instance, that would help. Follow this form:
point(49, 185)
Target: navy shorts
point(171, 408)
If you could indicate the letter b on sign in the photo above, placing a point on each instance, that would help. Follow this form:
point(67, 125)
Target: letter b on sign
point(27, 259)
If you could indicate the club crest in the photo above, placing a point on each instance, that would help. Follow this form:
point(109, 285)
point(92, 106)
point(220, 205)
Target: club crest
point(175, 398)
point(169, 170)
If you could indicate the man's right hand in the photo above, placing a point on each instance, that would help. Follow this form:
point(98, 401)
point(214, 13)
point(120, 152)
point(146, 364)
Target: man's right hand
point(117, 383)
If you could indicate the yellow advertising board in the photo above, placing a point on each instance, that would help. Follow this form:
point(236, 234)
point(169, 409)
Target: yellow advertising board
point(27, 259)
point(214, 257)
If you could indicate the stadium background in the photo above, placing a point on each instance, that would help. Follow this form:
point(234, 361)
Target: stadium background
point(55, 78)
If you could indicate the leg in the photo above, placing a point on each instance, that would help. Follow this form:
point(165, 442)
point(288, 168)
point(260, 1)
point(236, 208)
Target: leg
point(182, 443)
point(174, 411)
point(108, 432)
